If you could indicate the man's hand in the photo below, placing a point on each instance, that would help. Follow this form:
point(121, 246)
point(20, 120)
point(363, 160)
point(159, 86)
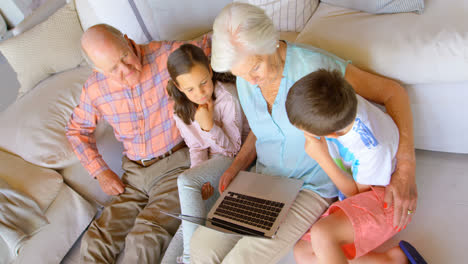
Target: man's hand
point(204, 115)
point(402, 192)
point(110, 183)
point(316, 148)
point(226, 179)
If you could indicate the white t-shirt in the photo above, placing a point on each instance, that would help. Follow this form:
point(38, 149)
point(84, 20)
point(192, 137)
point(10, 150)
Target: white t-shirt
point(367, 151)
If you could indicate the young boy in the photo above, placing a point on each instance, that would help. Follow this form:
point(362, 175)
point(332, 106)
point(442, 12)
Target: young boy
point(355, 144)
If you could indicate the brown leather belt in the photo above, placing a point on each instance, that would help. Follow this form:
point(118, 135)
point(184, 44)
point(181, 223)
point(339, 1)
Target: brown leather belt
point(149, 162)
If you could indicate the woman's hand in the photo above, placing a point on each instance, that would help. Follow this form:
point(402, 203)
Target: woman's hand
point(402, 192)
point(207, 191)
point(204, 115)
point(226, 179)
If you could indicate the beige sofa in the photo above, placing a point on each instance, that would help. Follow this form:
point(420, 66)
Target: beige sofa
point(426, 53)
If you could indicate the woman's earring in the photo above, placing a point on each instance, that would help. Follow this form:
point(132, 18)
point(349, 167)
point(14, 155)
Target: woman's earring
point(277, 45)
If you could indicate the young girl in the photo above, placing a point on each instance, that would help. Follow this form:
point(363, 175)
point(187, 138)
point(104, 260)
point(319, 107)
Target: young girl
point(210, 119)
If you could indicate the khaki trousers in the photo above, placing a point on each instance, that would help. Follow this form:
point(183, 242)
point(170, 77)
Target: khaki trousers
point(211, 246)
point(133, 219)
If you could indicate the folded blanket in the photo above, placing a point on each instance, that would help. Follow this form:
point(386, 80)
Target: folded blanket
point(20, 217)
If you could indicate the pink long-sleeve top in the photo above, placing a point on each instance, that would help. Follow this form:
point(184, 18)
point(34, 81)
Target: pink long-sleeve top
point(229, 129)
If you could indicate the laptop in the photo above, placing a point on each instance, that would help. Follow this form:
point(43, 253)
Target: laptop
point(252, 205)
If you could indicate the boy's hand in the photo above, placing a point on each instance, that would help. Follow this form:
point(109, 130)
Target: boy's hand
point(316, 148)
point(204, 115)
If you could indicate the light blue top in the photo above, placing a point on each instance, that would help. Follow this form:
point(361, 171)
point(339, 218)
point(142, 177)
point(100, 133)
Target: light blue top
point(280, 145)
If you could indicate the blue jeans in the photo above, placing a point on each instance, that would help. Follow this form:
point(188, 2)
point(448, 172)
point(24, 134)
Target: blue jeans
point(191, 202)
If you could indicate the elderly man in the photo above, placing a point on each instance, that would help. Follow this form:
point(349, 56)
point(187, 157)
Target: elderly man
point(127, 89)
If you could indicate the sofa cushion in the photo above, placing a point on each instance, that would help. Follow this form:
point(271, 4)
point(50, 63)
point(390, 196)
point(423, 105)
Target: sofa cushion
point(287, 15)
point(69, 216)
point(34, 126)
point(41, 184)
point(20, 217)
point(380, 6)
point(412, 48)
point(50, 47)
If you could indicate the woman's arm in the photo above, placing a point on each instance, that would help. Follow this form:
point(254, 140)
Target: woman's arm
point(402, 189)
point(244, 158)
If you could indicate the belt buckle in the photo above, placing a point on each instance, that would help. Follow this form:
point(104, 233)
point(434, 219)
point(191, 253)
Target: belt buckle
point(145, 160)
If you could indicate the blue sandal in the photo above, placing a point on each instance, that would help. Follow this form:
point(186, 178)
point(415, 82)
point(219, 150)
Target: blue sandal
point(411, 253)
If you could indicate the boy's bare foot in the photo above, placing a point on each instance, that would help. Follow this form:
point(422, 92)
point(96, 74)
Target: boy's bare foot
point(207, 191)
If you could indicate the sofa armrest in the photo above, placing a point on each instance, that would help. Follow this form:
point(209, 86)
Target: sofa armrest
point(38, 15)
point(41, 184)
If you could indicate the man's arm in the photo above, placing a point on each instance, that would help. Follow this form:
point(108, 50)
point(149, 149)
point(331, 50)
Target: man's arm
point(402, 189)
point(80, 134)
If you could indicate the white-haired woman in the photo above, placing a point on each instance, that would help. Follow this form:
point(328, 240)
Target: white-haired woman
point(246, 44)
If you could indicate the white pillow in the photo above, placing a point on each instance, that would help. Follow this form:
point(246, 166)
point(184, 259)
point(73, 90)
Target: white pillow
point(380, 6)
point(50, 47)
point(287, 15)
point(148, 20)
point(411, 48)
point(34, 126)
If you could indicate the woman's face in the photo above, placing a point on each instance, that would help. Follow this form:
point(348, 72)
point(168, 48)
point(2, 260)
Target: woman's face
point(197, 84)
point(257, 69)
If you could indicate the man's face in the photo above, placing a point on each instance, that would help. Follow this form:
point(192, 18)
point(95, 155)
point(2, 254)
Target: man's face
point(115, 58)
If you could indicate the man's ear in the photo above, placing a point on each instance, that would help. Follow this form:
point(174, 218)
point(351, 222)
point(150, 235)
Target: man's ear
point(129, 43)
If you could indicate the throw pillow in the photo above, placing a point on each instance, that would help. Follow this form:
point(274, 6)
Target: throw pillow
point(34, 126)
point(50, 47)
point(380, 6)
point(287, 15)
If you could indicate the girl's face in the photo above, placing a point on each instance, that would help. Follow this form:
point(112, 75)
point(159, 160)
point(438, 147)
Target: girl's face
point(197, 84)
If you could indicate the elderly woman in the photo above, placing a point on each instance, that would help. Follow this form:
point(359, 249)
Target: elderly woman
point(246, 44)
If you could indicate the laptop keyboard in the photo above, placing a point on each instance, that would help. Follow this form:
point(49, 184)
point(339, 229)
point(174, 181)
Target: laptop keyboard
point(249, 210)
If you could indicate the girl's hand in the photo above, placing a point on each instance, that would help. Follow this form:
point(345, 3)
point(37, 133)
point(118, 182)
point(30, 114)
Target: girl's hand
point(207, 191)
point(204, 115)
point(316, 148)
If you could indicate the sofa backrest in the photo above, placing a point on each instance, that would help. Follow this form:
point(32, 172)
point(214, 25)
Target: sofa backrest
point(147, 20)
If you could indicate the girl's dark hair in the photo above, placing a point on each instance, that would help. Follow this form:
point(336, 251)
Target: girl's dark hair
point(181, 61)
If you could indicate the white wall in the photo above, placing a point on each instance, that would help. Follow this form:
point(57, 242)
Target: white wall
point(8, 84)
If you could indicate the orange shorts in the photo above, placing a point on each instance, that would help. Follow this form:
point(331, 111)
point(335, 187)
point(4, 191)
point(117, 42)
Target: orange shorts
point(372, 223)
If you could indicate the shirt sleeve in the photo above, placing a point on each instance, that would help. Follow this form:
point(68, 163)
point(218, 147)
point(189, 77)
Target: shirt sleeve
point(374, 167)
point(198, 154)
point(80, 134)
point(226, 137)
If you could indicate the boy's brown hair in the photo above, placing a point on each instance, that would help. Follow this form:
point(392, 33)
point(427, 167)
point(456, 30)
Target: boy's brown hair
point(321, 103)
